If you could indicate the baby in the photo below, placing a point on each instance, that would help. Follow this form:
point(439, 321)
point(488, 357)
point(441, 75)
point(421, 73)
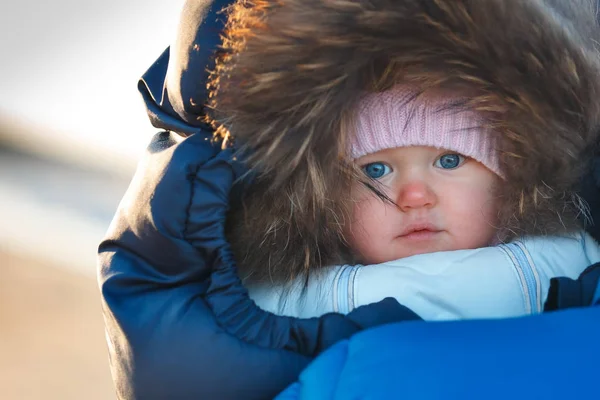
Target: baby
point(427, 216)
point(439, 171)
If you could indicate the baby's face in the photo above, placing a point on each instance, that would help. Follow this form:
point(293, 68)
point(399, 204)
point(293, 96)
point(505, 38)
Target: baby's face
point(445, 201)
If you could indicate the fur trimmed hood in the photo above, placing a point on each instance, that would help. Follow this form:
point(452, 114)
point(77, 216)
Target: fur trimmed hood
point(292, 70)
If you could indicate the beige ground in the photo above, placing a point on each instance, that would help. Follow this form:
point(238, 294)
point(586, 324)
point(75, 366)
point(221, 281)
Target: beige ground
point(51, 334)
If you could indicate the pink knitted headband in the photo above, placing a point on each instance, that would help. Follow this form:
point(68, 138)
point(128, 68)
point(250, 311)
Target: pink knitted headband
point(400, 118)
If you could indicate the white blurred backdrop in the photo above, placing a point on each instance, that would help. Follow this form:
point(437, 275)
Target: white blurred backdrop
point(72, 127)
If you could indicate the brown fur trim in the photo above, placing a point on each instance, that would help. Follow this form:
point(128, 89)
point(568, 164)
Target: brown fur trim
point(292, 70)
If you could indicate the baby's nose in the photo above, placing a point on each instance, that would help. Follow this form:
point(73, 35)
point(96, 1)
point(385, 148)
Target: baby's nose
point(416, 194)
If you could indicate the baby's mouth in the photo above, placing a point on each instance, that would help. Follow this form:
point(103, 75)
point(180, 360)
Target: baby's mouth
point(419, 232)
point(422, 234)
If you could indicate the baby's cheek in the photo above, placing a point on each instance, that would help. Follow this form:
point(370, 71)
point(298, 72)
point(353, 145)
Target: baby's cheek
point(485, 219)
point(368, 229)
point(367, 216)
point(474, 218)
point(358, 227)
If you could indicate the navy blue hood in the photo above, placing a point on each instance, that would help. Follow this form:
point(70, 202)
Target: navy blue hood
point(174, 87)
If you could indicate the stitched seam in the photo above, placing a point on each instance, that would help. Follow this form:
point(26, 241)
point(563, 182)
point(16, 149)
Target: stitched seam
point(336, 281)
point(528, 274)
point(524, 290)
point(343, 290)
point(351, 289)
point(356, 285)
point(538, 284)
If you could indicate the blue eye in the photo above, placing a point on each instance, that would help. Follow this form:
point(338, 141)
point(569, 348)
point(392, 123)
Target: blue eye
point(450, 161)
point(376, 170)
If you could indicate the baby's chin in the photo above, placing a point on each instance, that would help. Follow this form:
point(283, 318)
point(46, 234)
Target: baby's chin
point(403, 252)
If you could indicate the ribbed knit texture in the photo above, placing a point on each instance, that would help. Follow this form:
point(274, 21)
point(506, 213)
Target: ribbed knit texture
point(400, 118)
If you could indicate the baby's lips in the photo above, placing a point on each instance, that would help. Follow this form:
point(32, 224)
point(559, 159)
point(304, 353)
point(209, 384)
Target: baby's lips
point(419, 227)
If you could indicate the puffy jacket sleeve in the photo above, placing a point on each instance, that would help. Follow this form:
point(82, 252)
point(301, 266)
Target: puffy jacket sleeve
point(164, 341)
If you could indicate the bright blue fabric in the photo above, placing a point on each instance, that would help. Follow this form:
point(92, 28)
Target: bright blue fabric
point(550, 356)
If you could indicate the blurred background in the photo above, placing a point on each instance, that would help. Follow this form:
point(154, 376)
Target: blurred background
point(72, 127)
